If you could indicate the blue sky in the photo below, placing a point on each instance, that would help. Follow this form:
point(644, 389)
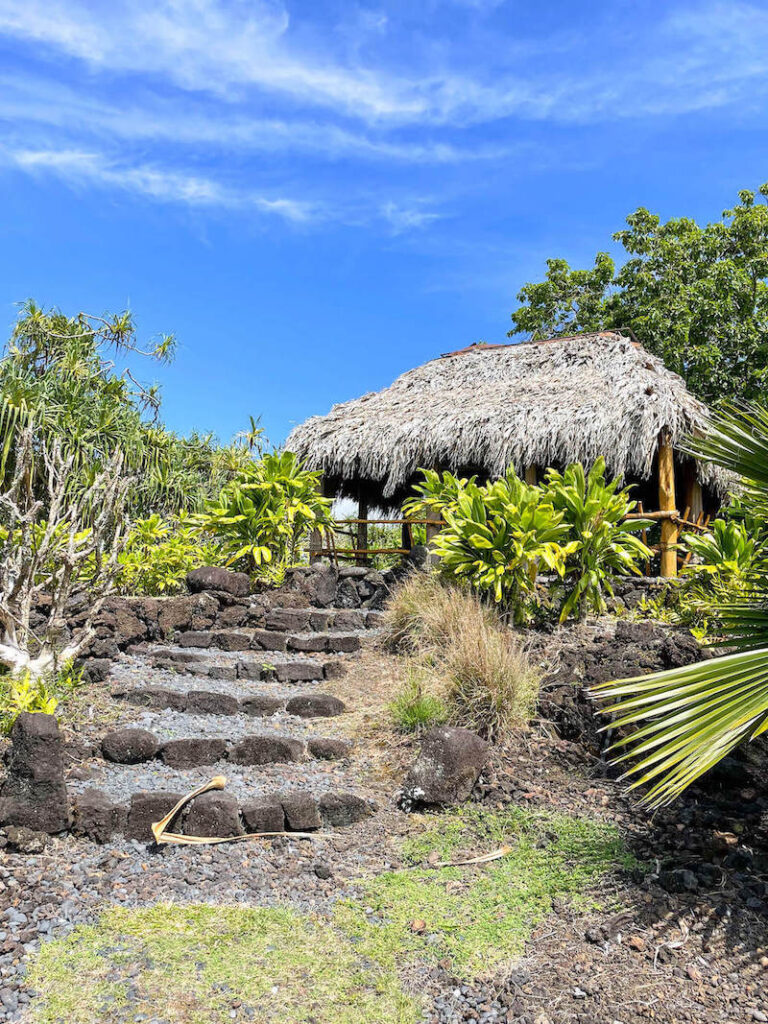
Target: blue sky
point(316, 196)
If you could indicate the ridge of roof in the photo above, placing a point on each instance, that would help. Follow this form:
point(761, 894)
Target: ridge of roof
point(482, 346)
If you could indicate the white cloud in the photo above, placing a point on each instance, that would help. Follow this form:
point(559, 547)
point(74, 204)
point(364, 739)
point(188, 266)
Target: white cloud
point(407, 217)
point(80, 167)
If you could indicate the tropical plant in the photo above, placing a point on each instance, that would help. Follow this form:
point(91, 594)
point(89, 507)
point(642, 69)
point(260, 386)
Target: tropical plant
point(264, 514)
point(35, 695)
point(600, 542)
point(696, 296)
point(435, 492)
point(725, 551)
point(159, 553)
point(686, 720)
point(60, 374)
point(497, 536)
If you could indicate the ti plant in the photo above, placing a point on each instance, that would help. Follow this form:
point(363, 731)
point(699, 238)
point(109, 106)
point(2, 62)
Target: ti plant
point(686, 720)
point(601, 542)
point(265, 513)
point(497, 536)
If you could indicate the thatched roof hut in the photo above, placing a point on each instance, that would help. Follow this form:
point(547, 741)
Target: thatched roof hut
point(533, 404)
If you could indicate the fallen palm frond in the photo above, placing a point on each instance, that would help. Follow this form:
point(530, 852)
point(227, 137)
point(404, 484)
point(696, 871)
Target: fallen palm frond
point(218, 782)
point(485, 858)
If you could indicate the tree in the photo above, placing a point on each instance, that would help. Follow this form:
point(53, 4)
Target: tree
point(686, 720)
point(60, 373)
point(697, 297)
point(51, 546)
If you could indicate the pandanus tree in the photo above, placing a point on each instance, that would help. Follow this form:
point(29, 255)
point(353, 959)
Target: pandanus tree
point(684, 721)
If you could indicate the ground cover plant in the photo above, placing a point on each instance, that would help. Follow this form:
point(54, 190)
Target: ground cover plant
point(284, 966)
point(687, 720)
point(159, 552)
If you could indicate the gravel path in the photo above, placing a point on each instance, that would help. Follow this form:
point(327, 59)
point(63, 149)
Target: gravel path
point(171, 725)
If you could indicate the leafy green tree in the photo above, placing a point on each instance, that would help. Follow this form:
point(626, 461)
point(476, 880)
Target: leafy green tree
point(695, 296)
point(59, 374)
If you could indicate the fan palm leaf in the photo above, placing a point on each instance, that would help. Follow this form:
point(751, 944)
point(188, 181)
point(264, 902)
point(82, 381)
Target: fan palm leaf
point(684, 721)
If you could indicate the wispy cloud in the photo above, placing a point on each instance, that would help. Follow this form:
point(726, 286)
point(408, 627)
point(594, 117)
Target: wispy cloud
point(78, 168)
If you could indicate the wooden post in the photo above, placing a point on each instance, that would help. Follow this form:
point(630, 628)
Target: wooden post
point(531, 475)
point(362, 530)
point(694, 498)
point(666, 469)
point(433, 528)
point(406, 535)
point(316, 536)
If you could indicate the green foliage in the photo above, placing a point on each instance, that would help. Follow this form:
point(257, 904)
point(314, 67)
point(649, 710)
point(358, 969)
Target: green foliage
point(685, 721)
point(414, 708)
point(435, 493)
point(499, 536)
point(160, 552)
point(19, 693)
point(726, 552)
point(695, 296)
point(496, 537)
point(265, 513)
point(600, 542)
point(60, 373)
point(465, 660)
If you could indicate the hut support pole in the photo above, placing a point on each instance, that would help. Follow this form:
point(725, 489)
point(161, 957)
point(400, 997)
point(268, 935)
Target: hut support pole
point(531, 475)
point(666, 467)
point(362, 531)
point(433, 528)
point(316, 536)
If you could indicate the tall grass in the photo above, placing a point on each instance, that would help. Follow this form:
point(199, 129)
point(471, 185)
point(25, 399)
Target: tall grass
point(466, 656)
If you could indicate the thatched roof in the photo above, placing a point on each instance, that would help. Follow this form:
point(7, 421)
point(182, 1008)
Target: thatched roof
point(491, 406)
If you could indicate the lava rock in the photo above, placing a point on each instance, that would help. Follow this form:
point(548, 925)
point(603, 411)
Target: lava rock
point(298, 671)
point(208, 702)
point(678, 880)
point(190, 753)
point(315, 705)
point(26, 840)
point(211, 577)
point(130, 746)
point(264, 816)
point(95, 670)
point(158, 697)
point(213, 814)
point(339, 809)
point(301, 812)
point(96, 816)
point(329, 749)
point(446, 768)
point(145, 810)
point(34, 794)
point(290, 620)
point(266, 750)
point(259, 706)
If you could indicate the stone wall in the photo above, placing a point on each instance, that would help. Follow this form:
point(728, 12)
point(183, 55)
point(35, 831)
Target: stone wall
point(217, 599)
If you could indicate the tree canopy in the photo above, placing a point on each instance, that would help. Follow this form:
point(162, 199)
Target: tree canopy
point(695, 296)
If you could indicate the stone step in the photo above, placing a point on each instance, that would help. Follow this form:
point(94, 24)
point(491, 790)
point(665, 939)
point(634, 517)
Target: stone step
point(129, 746)
point(268, 665)
point(101, 814)
point(214, 702)
point(272, 640)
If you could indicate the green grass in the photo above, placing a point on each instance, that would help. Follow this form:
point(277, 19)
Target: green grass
point(414, 707)
point(295, 969)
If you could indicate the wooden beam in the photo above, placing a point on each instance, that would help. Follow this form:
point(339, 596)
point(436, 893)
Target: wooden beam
point(362, 530)
point(669, 530)
point(694, 497)
point(531, 475)
point(316, 536)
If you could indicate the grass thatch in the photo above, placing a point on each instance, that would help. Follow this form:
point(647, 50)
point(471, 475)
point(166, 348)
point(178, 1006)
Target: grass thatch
point(490, 407)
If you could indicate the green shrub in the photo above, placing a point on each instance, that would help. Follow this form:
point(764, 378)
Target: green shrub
point(496, 537)
point(415, 708)
point(600, 541)
point(266, 512)
point(160, 552)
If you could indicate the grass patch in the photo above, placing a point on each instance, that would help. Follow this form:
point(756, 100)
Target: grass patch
point(415, 707)
point(286, 968)
point(479, 917)
point(197, 960)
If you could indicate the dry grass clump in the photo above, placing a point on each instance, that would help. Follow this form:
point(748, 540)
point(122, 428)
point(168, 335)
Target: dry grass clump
point(463, 660)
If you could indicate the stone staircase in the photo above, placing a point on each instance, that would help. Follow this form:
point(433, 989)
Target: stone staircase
point(237, 699)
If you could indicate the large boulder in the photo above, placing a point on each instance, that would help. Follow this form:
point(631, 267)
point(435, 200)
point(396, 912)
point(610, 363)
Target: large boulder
point(34, 794)
point(447, 768)
point(213, 577)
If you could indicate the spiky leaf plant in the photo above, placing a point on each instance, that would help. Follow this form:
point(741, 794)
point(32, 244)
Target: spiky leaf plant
point(688, 719)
